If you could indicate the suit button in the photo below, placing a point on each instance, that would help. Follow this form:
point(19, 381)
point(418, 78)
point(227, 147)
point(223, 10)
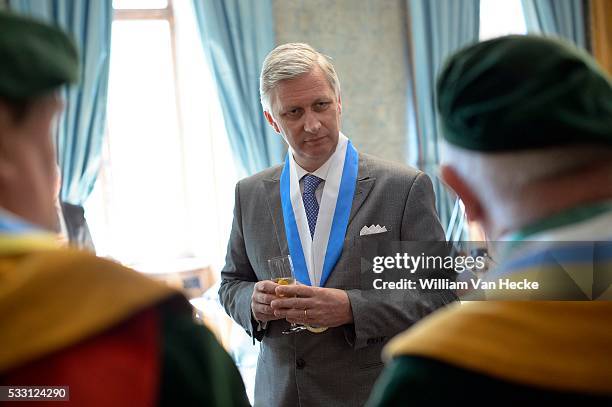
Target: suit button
point(300, 363)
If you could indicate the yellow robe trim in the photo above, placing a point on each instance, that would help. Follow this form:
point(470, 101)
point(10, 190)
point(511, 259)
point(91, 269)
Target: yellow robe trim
point(52, 298)
point(558, 345)
point(19, 244)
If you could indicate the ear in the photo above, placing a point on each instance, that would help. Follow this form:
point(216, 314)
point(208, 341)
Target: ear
point(339, 105)
point(271, 121)
point(473, 208)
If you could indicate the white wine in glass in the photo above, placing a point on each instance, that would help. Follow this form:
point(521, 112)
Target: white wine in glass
point(284, 281)
point(281, 272)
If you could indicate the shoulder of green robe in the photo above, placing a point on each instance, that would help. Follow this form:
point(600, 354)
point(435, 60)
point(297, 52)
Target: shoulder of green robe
point(196, 370)
point(412, 379)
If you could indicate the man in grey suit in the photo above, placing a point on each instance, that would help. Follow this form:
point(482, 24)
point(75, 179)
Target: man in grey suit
point(315, 208)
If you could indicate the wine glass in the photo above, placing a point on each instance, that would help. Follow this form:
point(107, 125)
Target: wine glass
point(281, 272)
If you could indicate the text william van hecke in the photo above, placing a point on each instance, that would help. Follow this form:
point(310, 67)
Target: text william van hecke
point(446, 284)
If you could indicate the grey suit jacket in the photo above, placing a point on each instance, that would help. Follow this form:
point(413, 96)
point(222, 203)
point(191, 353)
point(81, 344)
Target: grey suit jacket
point(339, 366)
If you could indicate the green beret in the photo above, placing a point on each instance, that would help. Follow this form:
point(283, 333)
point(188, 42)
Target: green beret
point(523, 92)
point(34, 58)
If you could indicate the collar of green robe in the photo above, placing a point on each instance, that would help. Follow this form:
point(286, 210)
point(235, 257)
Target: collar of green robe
point(523, 92)
point(35, 58)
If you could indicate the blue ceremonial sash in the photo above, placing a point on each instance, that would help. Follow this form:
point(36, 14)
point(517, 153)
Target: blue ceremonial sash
point(340, 220)
point(13, 225)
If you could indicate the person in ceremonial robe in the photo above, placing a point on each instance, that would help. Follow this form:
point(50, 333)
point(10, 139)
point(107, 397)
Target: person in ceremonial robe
point(528, 126)
point(109, 335)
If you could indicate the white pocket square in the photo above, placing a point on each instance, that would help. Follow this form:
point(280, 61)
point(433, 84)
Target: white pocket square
point(371, 230)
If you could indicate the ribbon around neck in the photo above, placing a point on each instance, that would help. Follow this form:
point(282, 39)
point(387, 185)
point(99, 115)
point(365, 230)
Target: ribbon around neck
point(314, 259)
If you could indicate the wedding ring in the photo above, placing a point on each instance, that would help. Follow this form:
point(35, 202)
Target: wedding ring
point(305, 315)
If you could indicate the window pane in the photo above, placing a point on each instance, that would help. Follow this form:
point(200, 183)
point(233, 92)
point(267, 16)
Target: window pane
point(147, 213)
point(140, 4)
point(498, 18)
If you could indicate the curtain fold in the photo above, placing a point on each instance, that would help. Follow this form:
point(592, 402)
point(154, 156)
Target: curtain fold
point(236, 36)
point(81, 127)
point(561, 18)
point(601, 32)
point(438, 28)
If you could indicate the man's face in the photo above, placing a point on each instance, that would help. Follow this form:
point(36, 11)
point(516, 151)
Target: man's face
point(27, 170)
point(306, 111)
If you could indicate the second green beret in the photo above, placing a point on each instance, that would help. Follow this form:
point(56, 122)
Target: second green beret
point(522, 92)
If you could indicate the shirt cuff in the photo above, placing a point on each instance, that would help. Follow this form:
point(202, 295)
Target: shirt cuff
point(260, 325)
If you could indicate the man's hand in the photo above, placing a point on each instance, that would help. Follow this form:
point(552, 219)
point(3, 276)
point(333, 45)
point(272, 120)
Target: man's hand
point(327, 307)
point(263, 295)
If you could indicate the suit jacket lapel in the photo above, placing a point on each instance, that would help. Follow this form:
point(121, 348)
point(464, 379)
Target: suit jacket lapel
point(364, 186)
point(272, 188)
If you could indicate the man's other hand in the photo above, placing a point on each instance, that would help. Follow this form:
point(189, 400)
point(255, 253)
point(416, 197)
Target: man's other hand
point(263, 295)
point(325, 307)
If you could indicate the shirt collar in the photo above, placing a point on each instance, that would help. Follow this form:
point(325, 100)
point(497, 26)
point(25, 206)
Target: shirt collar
point(561, 221)
point(583, 223)
point(11, 223)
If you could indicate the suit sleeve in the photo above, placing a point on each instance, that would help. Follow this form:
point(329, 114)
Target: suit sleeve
point(379, 315)
point(238, 277)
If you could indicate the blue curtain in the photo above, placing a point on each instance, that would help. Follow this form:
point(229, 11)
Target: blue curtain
point(237, 35)
point(561, 18)
point(80, 130)
point(438, 28)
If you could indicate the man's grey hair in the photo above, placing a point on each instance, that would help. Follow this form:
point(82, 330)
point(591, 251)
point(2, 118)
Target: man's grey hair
point(497, 178)
point(288, 61)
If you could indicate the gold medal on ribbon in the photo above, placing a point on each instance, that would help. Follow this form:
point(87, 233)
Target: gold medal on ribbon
point(316, 329)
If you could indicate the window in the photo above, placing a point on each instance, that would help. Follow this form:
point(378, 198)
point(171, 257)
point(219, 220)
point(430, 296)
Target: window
point(140, 4)
point(164, 196)
point(498, 18)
